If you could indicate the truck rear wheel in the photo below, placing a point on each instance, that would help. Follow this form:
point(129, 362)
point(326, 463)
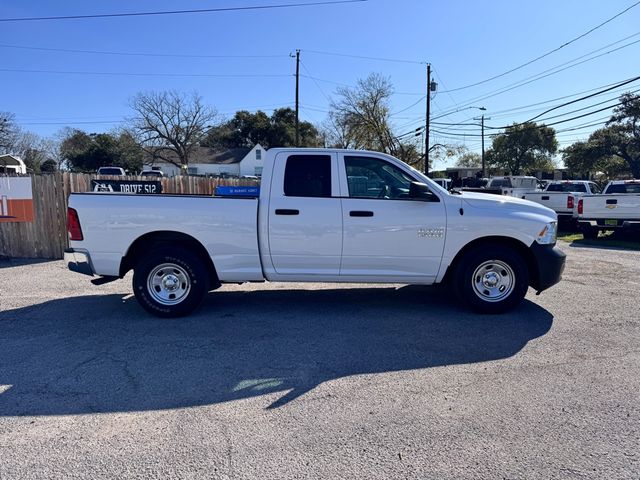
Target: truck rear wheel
point(491, 279)
point(590, 233)
point(170, 282)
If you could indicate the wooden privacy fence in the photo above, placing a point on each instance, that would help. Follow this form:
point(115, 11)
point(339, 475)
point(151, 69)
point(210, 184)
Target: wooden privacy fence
point(46, 236)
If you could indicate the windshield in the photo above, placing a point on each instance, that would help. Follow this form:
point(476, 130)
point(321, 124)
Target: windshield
point(500, 182)
point(110, 171)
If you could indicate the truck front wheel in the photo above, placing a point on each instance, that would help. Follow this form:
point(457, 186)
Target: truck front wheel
point(170, 282)
point(491, 279)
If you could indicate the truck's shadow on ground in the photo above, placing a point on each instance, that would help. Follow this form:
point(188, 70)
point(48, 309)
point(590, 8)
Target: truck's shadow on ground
point(104, 354)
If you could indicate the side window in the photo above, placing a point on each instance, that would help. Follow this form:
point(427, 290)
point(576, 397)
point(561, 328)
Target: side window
point(369, 177)
point(308, 176)
point(595, 188)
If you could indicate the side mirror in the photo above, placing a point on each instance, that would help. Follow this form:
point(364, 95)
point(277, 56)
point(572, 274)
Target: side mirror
point(419, 191)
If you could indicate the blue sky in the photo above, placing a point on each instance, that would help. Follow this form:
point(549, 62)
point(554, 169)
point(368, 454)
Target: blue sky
point(465, 41)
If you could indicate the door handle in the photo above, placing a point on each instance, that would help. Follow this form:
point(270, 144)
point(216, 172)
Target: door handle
point(360, 213)
point(287, 211)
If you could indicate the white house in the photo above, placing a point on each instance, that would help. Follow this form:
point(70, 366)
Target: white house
point(12, 164)
point(236, 162)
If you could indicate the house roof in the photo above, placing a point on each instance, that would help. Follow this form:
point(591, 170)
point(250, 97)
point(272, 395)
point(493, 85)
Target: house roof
point(8, 159)
point(206, 155)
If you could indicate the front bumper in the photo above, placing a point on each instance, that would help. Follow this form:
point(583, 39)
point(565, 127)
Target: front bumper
point(549, 261)
point(78, 262)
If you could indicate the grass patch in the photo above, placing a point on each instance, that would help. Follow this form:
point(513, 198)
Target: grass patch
point(605, 239)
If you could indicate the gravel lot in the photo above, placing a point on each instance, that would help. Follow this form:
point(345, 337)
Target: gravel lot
point(321, 381)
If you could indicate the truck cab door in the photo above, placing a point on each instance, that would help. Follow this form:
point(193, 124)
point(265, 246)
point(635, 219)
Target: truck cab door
point(388, 236)
point(305, 215)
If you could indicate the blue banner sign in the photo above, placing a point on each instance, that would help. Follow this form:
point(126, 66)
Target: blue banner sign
point(223, 191)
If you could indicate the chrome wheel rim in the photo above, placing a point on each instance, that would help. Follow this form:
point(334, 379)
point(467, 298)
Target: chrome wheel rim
point(168, 284)
point(493, 281)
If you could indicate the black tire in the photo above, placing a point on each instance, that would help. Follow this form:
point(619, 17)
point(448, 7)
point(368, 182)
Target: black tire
point(502, 265)
point(590, 233)
point(170, 282)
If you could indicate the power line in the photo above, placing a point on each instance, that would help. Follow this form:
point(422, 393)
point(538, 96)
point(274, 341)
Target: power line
point(523, 108)
point(180, 12)
point(407, 108)
point(626, 82)
point(71, 121)
point(145, 74)
point(364, 57)
point(315, 82)
point(340, 84)
point(549, 52)
point(135, 54)
point(615, 99)
point(541, 75)
point(538, 126)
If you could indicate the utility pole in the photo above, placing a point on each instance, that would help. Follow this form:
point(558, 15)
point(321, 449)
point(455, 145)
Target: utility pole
point(484, 170)
point(426, 127)
point(297, 97)
point(483, 165)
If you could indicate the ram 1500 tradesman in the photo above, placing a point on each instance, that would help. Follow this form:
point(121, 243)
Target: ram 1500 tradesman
point(321, 216)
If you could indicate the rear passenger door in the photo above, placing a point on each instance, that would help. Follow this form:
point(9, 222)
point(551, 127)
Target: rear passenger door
point(305, 215)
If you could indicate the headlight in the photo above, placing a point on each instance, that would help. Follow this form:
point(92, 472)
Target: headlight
point(548, 234)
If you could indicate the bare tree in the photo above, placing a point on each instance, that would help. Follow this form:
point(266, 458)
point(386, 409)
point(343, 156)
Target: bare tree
point(360, 118)
point(8, 132)
point(169, 125)
point(361, 114)
point(34, 149)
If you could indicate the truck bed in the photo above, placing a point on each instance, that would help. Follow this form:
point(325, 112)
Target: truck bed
point(112, 222)
point(556, 201)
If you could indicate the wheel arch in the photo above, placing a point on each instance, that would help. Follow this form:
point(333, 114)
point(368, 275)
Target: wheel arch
point(492, 241)
point(164, 238)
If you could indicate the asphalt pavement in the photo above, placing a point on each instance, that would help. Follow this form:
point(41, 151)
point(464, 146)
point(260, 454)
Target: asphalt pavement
point(321, 381)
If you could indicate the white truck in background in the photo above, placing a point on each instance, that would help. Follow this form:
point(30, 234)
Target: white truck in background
point(321, 216)
point(512, 186)
point(561, 196)
point(617, 208)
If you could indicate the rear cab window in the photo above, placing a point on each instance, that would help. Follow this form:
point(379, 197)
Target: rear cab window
point(624, 188)
point(308, 176)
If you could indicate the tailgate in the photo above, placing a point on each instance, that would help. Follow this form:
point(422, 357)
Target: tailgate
point(612, 207)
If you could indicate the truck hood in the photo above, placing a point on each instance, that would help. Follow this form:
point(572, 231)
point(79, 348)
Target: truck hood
point(487, 200)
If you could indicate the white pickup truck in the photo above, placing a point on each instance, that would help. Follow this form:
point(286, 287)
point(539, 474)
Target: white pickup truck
point(561, 196)
point(617, 208)
point(321, 216)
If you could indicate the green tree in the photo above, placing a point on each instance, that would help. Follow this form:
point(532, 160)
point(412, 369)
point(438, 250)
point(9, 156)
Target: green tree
point(469, 160)
point(48, 166)
point(87, 152)
point(247, 129)
point(614, 149)
point(523, 148)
